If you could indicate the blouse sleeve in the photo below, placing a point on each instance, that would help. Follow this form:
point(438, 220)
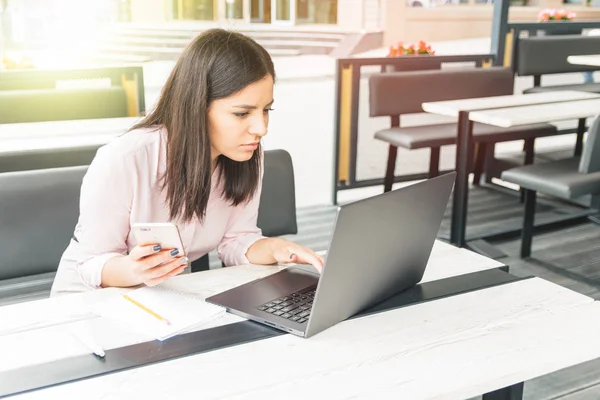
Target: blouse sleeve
point(104, 213)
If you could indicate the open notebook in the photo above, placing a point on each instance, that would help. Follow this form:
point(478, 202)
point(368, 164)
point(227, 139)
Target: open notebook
point(159, 312)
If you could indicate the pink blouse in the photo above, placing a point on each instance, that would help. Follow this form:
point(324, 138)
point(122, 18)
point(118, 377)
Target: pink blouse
point(122, 187)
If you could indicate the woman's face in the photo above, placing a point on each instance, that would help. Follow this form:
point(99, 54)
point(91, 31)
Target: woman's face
point(238, 122)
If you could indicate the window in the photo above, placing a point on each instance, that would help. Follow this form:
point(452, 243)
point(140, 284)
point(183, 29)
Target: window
point(234, 9)
point(316, 11)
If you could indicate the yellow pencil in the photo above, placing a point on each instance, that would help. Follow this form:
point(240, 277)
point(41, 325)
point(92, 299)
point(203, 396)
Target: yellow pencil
point(149, 311)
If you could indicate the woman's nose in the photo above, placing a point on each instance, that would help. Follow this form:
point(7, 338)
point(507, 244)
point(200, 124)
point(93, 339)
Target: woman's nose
point(259, 126)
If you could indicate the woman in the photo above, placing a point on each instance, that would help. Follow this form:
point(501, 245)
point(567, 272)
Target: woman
point(195, 160)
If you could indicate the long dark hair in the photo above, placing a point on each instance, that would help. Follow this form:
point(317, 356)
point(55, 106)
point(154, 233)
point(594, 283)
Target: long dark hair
point(215, 65)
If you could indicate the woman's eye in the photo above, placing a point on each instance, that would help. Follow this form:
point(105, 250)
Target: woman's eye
point(245, 113)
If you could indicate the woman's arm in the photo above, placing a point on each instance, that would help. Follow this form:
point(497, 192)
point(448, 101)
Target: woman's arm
point(107, 196)
point(241, 233)
point(244, 243)
point(104, 212)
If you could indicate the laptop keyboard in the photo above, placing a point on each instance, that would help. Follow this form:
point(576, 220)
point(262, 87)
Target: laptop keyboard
point(295, 307)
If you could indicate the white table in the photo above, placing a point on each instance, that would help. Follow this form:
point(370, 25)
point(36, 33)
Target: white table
point(592, 59)
point(446, 261)
point(505, 111)
point(66, 129)
point(533, 114)
point(452, 108)
point(40, 138)
point(456, 347)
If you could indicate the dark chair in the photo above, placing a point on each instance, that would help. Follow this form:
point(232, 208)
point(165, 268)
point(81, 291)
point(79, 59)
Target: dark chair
point(397, 93)
point(38, 211)
point(277, 209)
point(47, 158)
point(545, 55)
point(567, 179)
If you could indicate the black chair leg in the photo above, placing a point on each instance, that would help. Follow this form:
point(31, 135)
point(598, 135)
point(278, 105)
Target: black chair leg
point(434, 162)
point(489, 161)
point(480, 153)
point(528, 219)
point(528, 148)
point(388, 181)
point(580, 133)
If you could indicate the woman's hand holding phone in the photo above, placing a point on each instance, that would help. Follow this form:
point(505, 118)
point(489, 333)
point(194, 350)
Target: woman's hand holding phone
point(147, 263)
point(151, 265)
point(158, 256)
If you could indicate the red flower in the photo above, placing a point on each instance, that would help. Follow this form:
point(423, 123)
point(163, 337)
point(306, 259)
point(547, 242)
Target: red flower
point(420, 48)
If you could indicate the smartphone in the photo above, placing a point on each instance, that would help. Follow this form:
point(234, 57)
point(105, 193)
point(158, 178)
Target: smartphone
point(164, 233)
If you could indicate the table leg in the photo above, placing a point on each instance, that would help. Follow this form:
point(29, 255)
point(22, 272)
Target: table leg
point(580, 132)
point(514, 392)
point(464, 154)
